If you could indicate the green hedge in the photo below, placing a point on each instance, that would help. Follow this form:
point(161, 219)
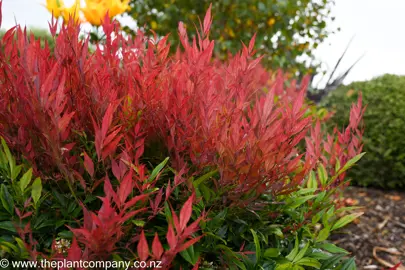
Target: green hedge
point(384, 163)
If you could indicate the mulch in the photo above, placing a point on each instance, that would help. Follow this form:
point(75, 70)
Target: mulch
point(377, 238)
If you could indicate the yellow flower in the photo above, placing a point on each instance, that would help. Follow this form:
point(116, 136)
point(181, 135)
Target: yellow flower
point(117, 7)
point(94, 12)
point(55, 6)
point(231, 33)
point(72, 11)
point(153, 24)
point(271, 21)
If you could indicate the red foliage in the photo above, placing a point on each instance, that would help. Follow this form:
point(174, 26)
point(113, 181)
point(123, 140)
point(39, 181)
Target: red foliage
point(209, 113)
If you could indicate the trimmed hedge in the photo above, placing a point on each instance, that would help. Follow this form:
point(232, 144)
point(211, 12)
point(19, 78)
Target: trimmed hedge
point(384, 163)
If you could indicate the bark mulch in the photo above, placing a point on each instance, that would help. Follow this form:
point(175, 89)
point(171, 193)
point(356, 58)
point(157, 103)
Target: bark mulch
point(377, 238)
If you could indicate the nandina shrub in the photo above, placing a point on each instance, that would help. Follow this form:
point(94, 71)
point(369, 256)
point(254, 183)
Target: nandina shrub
point(180, 158)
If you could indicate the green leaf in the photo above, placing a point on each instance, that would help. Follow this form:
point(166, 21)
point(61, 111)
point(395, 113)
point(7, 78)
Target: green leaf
point(7, 199)
point(20, 244)
point(312, 182)
point(25, 180)
point(348, 208)
point(327, 216)
point(284, 266)
point(271, 253)
point(216, 237)
point(257, 245)
point(168, 213)
point(206, 192)
point(7, 225)
point(206, 176)
point(299, 201)
point(36, 190)
point(7, 246)
point(346, 220)
point(304, 191)
point(351, 162)
point(332, 248)
point(66, 234)
point(317, 217)
point(293, 252)
point(330, 263)
point(302, 252)
point(157, 170)
point(139, 223)
point(189, 255)
point(322, 174)
point(10, 157)
point(230, 253)
point(350, 264)
point(323, 234)
point(319, 255)
point(277, 231)
point(320, 197)
point(337, 166)
point(309, 262)
point(15, 172)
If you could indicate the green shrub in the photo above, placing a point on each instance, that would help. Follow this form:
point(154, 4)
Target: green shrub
point(286, 30)
point(384, 164)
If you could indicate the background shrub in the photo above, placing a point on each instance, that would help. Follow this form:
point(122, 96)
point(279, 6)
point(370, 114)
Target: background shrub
point(384, 163)
point(285, 30)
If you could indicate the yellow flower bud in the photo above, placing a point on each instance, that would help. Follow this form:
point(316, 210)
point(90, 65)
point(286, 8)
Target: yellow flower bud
point(271, 22)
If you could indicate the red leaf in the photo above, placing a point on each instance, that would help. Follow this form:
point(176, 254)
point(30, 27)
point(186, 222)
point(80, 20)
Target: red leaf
point(107, 120)
point(18, 212)
point(142, 248)
point(197, 265)
point(74, 252)
point(111, 148)
point(157, 248)
point(252, 43)
point(109, 191)
point(111, 136)
point(134, 200)
point(176, 222)
point(132, 214)
point(126, 187)
point(207, 20)
point(157, 201)
point(185, 212)
point(88, 164)
point(171, 237)
point(116, 170)
point(26, 214)
point(189, 243)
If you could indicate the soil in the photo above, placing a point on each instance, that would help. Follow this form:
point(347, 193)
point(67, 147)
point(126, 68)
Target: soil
point(377, 238)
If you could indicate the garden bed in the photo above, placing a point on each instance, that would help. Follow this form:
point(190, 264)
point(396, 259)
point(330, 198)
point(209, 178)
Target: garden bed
point(377, 237)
